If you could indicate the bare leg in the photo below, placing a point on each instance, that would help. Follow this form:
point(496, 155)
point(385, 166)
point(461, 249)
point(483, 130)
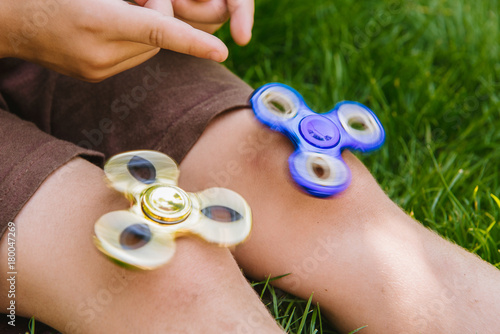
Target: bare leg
point(364, 259)
point(66, 283)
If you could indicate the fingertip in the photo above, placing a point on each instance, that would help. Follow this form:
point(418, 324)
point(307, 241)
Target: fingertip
point(225, 55)
point(218, 56)
point(241, 34)
point(243, 39)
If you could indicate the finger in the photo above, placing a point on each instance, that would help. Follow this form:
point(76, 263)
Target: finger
point(100, 75)
point(162, 6)
point(204, 11)
point(206, 27)
point(241, 12)
point(117, 52)
point(131, 62)
point(141, 25)
point(93, 71)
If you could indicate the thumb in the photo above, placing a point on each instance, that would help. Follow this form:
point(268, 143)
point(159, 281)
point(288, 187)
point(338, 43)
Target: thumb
point(146, 26)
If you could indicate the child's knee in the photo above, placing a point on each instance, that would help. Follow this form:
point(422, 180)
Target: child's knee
point(236, 148)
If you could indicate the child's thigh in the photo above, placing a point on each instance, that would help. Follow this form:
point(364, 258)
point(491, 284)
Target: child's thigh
point(65, 282)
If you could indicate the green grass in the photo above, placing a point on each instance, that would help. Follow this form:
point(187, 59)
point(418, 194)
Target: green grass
point(293, 314)
point(431, 71)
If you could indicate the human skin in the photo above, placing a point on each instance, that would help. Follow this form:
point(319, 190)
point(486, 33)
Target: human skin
point(209, 15)
point(64, 281)
point(112, 35)
point(366, 261)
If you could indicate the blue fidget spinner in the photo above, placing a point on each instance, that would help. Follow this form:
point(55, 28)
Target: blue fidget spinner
point(317, 164)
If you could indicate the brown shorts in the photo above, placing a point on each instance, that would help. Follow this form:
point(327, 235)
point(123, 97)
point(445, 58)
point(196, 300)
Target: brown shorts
point(46, 118)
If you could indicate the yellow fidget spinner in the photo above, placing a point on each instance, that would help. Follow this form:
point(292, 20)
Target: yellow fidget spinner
point(144, 236)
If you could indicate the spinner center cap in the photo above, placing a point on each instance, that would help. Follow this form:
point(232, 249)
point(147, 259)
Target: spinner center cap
point(319, 131)
point(166, 204)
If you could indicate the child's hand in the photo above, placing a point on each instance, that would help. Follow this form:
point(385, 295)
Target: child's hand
point(95, 39)
point(209, 15)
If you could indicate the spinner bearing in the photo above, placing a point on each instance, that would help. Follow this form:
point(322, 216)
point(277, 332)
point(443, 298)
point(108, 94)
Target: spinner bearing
point(144, 236)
